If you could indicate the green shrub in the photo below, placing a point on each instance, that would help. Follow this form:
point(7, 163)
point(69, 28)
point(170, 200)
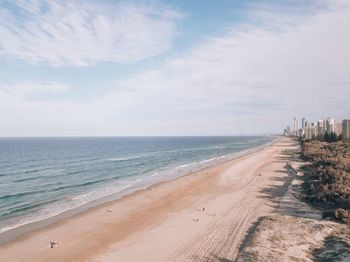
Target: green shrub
point(330, 173)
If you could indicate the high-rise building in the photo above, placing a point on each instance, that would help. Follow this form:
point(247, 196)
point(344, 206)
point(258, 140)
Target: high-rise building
point(307, 133)
point(330, 125)
point(296, 126)
point(311, 131)
point(346, 129)
point(338, 128)
point(314, 130)
point(307, 124)
point(320, 128)
point(303, 120)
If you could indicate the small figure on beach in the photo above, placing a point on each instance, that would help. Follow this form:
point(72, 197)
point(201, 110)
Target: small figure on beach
point(203, 209)
point(195, 220)
point(53, 244)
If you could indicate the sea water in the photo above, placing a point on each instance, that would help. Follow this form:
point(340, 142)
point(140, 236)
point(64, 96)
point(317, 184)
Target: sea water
point(43, 177)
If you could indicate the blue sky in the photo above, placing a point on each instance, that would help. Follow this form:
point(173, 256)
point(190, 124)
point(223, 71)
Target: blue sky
point(170, 67)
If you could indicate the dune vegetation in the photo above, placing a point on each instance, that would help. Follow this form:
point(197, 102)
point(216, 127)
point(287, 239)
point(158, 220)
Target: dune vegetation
point(327, 177)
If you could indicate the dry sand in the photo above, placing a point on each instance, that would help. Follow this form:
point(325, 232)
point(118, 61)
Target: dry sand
point(160, 223)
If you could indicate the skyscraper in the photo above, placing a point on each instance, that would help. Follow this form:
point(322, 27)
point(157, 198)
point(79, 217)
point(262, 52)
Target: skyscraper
point(303, 120)
point(320, 127)
point(338, 128)
point(296, 126)
point(330, 125)
point(346, 129)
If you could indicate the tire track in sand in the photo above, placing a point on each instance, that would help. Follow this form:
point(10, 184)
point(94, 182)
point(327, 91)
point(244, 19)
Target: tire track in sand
point(223, 238)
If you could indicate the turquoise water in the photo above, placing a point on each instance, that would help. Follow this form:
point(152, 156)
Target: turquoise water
point(42, 177)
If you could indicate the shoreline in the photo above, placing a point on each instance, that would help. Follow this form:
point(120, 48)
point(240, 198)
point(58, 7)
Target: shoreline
point(146, 225)
point(13, 233)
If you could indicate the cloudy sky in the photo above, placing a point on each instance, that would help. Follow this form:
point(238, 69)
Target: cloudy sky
point(198, 67)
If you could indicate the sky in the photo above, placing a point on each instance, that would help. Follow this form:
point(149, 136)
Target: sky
point(172, 67)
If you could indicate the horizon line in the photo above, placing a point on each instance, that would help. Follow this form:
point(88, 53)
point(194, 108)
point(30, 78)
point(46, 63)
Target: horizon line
point(110, 136)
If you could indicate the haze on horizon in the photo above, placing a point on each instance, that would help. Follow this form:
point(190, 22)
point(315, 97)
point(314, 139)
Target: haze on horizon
point(90, 68)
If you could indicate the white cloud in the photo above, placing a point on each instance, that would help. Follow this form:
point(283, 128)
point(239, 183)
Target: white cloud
point(32, 88)
point(254, 75)
point(81, 33)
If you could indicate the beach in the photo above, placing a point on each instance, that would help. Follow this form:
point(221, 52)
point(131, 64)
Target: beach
point(203, 216)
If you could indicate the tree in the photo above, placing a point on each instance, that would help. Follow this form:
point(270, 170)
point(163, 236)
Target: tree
point(326, 137)
point(332, 137)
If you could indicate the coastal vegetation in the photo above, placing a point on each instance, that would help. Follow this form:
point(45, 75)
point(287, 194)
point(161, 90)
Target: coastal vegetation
point(327, 177)
point(326, 137)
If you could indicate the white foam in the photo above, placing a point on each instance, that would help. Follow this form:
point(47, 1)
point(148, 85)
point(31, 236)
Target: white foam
point(155, 174)
point(124, 158)
point(208, 160)
point(186, 165)
point(68, 203)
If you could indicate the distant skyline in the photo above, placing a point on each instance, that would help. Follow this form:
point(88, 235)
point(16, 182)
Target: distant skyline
point(124, 68)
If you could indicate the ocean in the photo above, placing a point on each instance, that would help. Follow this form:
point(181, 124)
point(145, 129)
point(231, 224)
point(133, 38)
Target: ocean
point(43, 177)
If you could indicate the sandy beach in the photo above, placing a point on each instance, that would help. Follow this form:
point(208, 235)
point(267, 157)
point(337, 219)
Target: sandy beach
point(199, 217)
